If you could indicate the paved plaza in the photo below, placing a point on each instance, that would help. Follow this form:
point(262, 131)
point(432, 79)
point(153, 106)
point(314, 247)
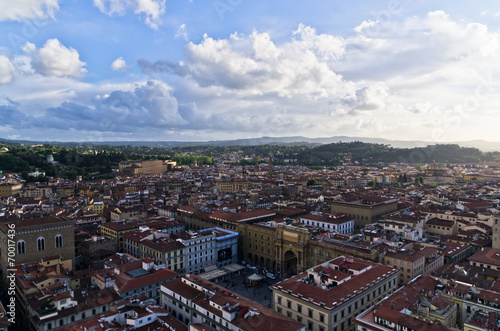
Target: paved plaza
point(261, 294)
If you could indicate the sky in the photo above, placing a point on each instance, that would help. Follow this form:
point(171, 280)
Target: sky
point(192, 70)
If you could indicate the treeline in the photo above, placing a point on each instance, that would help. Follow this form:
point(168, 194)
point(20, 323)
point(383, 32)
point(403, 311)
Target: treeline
point(364, 153)
point(87, 162)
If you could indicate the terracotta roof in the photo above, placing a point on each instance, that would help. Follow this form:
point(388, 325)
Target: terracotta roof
point(266, 319)
point(487, 256)
point(376, 273)
point(440, 222)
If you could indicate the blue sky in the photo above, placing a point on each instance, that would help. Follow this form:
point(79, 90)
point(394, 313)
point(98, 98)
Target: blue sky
point(222, 69)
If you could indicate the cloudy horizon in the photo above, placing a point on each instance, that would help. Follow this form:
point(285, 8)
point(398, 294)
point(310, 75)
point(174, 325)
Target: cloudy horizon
point(197, 71)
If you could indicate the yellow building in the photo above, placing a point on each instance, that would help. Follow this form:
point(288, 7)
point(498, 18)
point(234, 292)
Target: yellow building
point(134, 168)
point(116, 230)
point(233, 185)
point(365, 209)
point(125, 212)
point(482, 321)
point(330, 295)
point(257, 245)
point(97, 207)
point(9, 190)
point(441, 227)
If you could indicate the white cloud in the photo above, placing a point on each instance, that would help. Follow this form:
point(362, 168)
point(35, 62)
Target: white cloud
point(146, 106)
point(54, 59)
point(369, 98)
point(19, 10)
point(181, 32)
point(6, 70)
point(119, 65)
point(371, 83)
point(364, 25)
point(255, 65)
point(149, 10)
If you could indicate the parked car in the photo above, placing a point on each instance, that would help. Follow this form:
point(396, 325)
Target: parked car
point(270, 275)
point(254, 268)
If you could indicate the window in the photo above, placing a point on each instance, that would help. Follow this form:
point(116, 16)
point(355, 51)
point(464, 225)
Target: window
point(310, 312)
point(288, 303)
point(59, 241)
point(41, 244)
point(21, 247)
point(299, 309)
point(321, 318)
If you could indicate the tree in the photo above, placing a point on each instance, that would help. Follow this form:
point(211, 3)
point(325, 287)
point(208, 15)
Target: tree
point(311, 182)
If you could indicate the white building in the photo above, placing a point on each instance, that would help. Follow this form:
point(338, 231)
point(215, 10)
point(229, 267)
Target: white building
point(226, 245)
point(192, 299)
point(200, 250)
point(338, 224)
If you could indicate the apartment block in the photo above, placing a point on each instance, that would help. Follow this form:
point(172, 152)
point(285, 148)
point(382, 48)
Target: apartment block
point(334, 223)
point(330, 295)
point(417, 306)
point(207, 306)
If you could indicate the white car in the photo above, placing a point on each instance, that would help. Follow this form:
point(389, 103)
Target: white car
point(270, 275)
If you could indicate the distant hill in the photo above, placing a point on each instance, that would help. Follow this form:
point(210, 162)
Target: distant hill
point(367, 153)
point(293, 140)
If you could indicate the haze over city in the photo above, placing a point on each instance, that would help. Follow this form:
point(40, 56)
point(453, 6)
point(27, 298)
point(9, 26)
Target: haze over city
point(210, 70)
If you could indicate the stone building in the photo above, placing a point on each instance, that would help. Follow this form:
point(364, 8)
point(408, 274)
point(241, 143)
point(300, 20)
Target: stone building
point(35, 239)
point(365, 209)
point(330, 295)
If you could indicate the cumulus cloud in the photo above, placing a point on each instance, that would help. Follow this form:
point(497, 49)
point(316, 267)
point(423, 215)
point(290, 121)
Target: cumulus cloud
point(148, 105)
point(368, 98)
point(149, 10)
point(27, 9)
point(54, 59)
point(6, 70)
point(311, 84)
point(119, 65)
point(256, 65)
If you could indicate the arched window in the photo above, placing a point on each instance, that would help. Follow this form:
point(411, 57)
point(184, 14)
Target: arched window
point(41, 244)
point(21, 247)
point(59, 241)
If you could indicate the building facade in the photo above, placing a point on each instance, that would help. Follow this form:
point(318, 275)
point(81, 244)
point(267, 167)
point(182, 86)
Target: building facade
point(37, 238)
point(194, 300)
point(330, 295)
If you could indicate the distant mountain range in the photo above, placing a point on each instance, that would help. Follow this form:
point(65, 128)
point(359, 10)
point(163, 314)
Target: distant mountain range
point(483, 145)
